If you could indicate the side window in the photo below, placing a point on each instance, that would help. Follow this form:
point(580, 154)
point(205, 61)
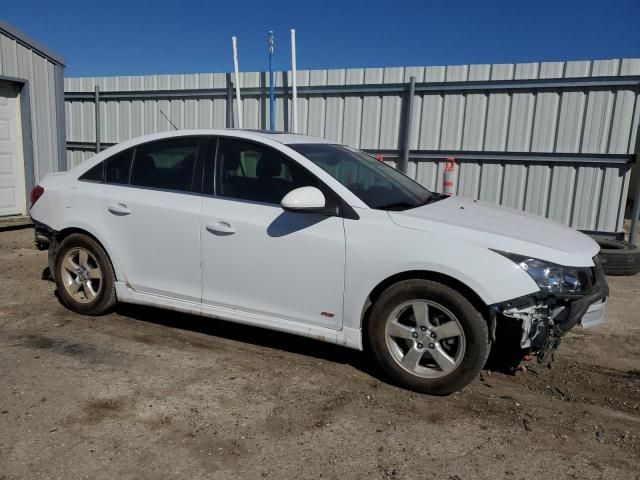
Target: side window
point(251, 172)
point(117, 168)
point(167, 164)
point(94, 174)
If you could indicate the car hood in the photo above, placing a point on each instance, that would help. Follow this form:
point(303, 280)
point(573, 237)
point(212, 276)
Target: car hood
point(501, 228)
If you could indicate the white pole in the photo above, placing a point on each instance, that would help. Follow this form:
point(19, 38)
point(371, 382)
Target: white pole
point(234, 43)
point(294, 84)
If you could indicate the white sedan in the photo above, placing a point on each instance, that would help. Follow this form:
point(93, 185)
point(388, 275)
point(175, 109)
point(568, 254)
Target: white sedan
point(302, 235)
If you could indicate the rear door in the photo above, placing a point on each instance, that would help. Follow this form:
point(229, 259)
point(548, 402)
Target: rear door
point(151, 205)
point(260, 259)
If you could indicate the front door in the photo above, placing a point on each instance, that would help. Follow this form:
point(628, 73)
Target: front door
point(259, 259)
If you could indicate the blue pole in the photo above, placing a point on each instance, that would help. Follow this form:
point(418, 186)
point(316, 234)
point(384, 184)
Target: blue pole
point(272, 98)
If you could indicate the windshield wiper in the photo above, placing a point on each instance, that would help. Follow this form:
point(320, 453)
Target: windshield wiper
point(397, 205)
point(402, 205)
point(434, 197)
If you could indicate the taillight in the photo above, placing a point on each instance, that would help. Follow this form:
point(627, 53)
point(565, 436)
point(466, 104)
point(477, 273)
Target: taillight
point(36, 193)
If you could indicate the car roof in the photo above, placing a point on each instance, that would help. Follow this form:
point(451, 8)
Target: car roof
point(284, 138)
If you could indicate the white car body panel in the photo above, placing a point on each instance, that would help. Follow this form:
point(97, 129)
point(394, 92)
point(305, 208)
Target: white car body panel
point(347, 337)
point(501, 228)
point(158, 242)
point(397, 250)
point(82, 210)
point(276, 263)
point(595, 315)
point(268, 274)
point(303, 197)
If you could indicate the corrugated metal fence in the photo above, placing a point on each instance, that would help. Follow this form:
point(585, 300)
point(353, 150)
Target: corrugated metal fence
point(556, 139)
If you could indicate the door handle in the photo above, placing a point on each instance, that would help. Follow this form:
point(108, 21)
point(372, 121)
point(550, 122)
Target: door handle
point(119, 209)
point(221, 228)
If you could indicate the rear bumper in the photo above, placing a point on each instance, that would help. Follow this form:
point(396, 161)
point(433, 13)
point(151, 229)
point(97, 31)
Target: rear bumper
point(44, 235)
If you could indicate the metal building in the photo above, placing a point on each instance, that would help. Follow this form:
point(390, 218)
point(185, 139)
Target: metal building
point(32, 125)
point(553, 138)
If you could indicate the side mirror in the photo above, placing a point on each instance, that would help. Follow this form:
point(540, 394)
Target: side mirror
point(305, 199)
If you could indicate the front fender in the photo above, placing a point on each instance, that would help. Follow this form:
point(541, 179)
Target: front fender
point(397, 250)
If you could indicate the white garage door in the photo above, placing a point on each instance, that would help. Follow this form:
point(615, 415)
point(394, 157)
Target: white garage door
point(12, 190)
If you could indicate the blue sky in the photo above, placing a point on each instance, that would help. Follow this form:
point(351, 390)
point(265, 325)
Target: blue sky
point(137, 37)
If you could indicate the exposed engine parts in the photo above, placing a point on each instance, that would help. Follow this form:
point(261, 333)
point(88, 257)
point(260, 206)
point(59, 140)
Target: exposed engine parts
point(537, 332)
point(535, 324)
point(543, 318)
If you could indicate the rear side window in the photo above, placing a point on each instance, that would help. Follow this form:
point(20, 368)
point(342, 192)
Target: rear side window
point(166, 165)
point(117, 168)
point(94, 174)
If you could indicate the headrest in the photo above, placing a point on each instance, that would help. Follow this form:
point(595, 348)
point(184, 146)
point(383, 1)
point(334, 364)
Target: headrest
point(231, 161)
point(269, 166)
point(143, 162)
point(144, 169)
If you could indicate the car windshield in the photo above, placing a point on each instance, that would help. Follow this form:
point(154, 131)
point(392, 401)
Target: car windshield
point(375, 183)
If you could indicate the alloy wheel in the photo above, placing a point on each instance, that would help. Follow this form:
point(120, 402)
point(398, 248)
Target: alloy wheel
point(425, 338)
point(81, 275)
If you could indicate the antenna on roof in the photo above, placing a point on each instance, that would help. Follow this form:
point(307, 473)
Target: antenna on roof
point(168, 120)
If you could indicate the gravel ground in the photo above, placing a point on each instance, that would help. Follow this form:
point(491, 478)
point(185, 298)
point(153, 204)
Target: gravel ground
point(146, 393)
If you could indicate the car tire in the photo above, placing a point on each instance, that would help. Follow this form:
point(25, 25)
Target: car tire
point(84, 275)
point(417, 311)
point(618, 257)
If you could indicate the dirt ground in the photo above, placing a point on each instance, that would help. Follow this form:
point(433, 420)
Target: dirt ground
point(146, 393)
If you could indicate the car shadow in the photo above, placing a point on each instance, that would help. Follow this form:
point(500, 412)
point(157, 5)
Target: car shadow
point(46, 275)
point(505, 357)
point(289, 222)
point(361, 360)
point(253, 335)
point(500, 360)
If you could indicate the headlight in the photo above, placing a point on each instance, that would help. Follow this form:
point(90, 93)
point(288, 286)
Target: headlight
point(550, 277)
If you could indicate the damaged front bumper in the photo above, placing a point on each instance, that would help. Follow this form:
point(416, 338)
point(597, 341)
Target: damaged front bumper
point(546, 318)
point(594, 315)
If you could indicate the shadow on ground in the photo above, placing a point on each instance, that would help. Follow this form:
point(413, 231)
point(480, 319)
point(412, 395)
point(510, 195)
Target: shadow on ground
point(503, 358)
point(255, 336)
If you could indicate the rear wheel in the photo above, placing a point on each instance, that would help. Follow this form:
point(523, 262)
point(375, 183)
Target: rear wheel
point(84, 275)
point(428, 337)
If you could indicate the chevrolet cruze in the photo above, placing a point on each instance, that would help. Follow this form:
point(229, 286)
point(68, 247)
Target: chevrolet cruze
point(305, 236)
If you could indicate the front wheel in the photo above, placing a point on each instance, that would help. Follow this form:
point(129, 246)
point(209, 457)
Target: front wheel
point(428, 337)
point(84, 275)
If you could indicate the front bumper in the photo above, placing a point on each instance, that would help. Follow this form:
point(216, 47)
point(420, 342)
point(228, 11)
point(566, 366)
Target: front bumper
point(595, 315)
point(585, 304)
point(543, 318)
